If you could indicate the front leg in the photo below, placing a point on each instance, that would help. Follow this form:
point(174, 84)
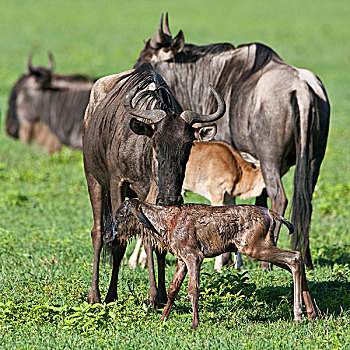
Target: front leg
point(117, 254)
point(174, 287)
point(161, 299)
point(97, 195)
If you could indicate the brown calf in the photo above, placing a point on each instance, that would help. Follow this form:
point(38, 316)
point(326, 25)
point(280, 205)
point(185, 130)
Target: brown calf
point(192, 232)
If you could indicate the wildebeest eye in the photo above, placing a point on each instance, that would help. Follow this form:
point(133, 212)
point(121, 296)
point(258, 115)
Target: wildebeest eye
point(141, 128)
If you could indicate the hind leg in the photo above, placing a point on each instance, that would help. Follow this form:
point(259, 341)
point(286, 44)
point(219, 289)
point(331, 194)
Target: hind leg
point(275, 191)
point(289, 260)
point(96, 194)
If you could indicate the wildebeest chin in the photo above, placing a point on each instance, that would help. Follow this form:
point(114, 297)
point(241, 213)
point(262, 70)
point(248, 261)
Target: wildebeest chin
point(277, 113)
point(48, 108)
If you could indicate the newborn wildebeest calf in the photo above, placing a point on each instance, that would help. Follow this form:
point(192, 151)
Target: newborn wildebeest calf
point(192, 232)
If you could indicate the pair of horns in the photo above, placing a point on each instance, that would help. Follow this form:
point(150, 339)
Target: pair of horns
point(166, 29)
point(189, 117)
point(163, 35)
point(33, 69)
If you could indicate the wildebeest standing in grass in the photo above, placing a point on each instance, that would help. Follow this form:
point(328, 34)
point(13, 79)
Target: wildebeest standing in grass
point(48, 108)
point(136, 142)
point(192, 232)
point(277, 113)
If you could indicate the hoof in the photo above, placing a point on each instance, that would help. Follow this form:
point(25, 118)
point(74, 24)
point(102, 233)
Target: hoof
point(158, 301)
point(93, 297)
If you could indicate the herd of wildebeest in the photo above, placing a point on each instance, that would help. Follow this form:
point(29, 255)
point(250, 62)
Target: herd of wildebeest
point(144, 134)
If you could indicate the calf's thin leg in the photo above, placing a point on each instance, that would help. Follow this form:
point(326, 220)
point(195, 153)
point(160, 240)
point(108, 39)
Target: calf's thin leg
point(194, 266)
point(290, 260)
point(174, 287)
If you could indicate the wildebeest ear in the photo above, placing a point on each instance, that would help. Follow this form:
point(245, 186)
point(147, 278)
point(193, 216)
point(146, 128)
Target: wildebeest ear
point(143, 218)
point(205, 133)
point(178, 43)
point(141, 128)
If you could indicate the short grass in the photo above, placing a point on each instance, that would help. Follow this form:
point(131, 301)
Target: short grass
point(45, 216)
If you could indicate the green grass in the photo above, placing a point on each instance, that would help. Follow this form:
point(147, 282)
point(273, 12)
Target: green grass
point(45, 215)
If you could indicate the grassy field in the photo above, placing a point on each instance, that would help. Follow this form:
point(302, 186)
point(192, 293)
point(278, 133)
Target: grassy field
point(45, 215)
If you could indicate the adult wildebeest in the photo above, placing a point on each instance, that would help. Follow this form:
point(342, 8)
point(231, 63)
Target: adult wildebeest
point(136, 142)
point(48, 107)
point(277, 113)
point(192, 232)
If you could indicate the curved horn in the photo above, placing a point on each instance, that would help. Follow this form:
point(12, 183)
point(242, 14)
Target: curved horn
point(193, 117)
point(160, 27)
point(29, 63)
point(152, 115)
point(167, 30)
point(51, 66)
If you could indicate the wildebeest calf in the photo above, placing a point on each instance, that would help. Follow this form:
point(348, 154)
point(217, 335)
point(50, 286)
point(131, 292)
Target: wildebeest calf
point(192, 232)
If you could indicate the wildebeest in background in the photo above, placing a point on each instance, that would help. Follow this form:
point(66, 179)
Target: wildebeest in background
point(136, 142)
point(48, 108)
point(277, 113)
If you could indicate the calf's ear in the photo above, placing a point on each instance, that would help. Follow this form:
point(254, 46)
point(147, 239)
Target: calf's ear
point(141, 128)
point(205, 133)
point(139, 214)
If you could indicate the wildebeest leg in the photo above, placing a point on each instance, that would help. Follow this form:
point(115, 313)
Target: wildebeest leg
point(152, 294)
point(157, 296)
point(134, 256)
point(26, 131)
point(118, 250)
point(161, 293)
point(311, 313)
point(96, 194)
point(174, 287)
point(289, 260)
point(193, 266)
point(275, 191)
point(117, 253)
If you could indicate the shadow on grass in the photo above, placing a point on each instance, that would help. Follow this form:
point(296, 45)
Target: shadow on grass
point(266, 304)
point(332, 255)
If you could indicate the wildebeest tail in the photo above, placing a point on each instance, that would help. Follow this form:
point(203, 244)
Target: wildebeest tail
point(284, 221)
point(310, 143)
